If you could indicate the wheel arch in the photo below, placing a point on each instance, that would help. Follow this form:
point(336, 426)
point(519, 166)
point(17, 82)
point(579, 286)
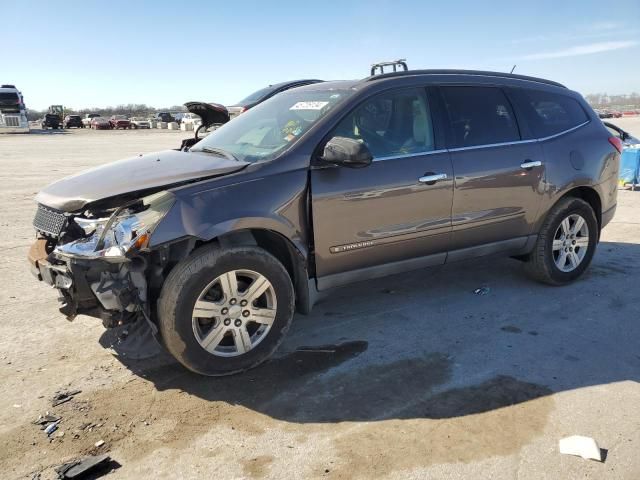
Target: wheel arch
point(286, 252)
point(589, 195)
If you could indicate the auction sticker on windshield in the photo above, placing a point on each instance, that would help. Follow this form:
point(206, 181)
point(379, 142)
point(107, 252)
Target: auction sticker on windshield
point(309, 106)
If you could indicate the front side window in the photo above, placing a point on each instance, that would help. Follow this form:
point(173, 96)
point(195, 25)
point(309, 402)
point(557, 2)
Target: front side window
point(263, 132)
point(479, 116)
point(391, 124)
point(551, 113)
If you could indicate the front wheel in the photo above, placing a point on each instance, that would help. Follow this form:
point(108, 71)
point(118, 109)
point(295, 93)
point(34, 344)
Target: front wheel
point(566, 243)
point(223, 311)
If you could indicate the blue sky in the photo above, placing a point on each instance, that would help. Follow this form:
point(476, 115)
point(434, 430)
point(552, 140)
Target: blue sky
point(167, 52)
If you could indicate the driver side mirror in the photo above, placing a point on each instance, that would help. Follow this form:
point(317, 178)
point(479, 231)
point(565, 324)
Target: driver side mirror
point(346, 152)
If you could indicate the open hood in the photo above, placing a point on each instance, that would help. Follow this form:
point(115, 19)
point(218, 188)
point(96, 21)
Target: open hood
point(210, 113)
point(142, 173)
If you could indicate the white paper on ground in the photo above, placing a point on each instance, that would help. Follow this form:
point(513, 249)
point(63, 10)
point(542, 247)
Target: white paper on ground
point(585, 447)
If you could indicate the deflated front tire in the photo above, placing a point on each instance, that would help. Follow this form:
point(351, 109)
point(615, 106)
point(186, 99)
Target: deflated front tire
point(223, 311)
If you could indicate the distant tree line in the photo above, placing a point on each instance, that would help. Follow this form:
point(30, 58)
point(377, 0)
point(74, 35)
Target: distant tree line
point(604, 100)
point(131, 110)
point(597, 100)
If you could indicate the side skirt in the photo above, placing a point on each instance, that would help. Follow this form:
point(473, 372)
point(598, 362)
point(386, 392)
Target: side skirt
point(514, 246)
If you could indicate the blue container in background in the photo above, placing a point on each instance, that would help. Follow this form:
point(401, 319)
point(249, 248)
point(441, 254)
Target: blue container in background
point(630, 166)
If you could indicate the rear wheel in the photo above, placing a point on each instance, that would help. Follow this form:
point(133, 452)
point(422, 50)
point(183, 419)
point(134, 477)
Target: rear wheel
point(222, 311)
point(566, 243)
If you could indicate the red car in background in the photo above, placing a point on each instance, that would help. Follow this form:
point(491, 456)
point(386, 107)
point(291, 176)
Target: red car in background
point(119, 121)
point(100, 123)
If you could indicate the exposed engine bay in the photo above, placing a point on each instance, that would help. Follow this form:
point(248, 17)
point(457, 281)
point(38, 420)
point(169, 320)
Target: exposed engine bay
point(98, 259)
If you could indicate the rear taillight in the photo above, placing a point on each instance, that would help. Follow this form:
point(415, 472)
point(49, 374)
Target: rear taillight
point(617, 143)
point(243, 109)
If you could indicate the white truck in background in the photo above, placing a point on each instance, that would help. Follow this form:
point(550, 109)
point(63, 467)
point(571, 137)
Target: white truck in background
point(86, 121)
point(13, 112)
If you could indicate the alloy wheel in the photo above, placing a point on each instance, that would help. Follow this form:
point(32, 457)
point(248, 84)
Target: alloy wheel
point(234, 313)
point(570, 243)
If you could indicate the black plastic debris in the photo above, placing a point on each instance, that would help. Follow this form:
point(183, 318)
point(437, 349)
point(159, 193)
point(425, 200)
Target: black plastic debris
point(79, 468)
point(62, 397)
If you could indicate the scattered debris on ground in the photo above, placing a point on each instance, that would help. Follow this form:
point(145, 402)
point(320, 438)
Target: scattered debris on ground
point(585, 447)
point(45, 419)
point(52, 427)
point(63, 396)
point(78, 469)
point(482, 291)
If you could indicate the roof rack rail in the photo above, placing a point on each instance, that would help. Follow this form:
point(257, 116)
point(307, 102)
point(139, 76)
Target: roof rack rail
point(401, 62)
point(463, 72)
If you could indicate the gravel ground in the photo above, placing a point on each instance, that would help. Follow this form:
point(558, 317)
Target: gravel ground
point(418, 377)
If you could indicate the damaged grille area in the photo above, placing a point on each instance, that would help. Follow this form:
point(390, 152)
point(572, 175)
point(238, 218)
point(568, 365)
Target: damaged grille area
point(49, 221)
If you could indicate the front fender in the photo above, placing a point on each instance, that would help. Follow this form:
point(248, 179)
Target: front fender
point(274, 202)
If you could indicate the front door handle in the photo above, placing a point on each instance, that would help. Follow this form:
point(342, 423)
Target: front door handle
point(530, 164)
point(430, 179)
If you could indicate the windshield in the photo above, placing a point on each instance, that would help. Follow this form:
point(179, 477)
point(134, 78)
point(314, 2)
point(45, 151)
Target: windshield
point(269, 128)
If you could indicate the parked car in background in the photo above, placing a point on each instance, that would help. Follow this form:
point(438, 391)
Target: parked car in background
point(139, 122)
point(265, 93)
point(71, 121)
point(119, 121)
point(616, 114)
point(210, 117)
point(604, 114)
point(50, 120)
point(191, 119)
point(165, 117)
point(86, 121)
point(100, 123)
point(627, 139)
point(322, 186)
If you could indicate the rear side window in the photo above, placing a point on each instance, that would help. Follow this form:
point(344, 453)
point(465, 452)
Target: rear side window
point(551, 113)
point(479, 116)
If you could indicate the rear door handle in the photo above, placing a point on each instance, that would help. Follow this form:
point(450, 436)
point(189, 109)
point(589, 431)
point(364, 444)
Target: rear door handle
point(432, 178)
point(530, 164)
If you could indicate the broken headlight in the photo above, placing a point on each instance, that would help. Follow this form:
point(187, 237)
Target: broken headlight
point(127, 229)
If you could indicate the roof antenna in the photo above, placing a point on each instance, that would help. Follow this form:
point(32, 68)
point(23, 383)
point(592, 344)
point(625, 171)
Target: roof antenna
point(514, 67)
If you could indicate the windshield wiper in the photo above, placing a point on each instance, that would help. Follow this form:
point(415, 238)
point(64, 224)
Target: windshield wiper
point(220, 152)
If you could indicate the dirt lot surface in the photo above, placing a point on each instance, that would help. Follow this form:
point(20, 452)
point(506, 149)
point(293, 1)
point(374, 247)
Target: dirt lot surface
point(416, 376)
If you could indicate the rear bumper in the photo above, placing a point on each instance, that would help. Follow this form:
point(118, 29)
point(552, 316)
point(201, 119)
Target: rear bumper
point(608, 216)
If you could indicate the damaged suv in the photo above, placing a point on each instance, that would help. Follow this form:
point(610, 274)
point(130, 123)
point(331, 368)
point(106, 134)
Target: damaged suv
point(215, 245)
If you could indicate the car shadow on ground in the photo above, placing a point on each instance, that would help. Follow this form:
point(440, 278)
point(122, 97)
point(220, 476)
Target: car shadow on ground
point(424, 345)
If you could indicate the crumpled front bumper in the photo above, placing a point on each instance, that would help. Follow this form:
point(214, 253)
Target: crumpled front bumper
point(112, 291)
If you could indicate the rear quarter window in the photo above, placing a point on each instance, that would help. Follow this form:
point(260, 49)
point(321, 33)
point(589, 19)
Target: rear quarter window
point(551, 113)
